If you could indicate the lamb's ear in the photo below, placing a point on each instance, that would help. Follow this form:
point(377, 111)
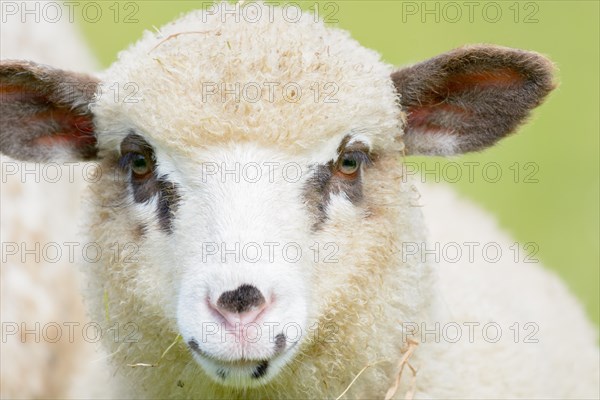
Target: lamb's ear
point(469, 98)
point(44, 113)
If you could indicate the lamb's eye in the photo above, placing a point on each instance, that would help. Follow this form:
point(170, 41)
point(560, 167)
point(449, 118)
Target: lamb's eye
point(349, 165)
point(140, 165)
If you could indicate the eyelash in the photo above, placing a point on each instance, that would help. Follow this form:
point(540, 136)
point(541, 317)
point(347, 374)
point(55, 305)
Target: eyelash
point(125, 161)
point(358, 156)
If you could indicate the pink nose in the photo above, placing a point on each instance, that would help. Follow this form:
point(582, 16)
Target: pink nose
point(241, 306)
point(240, 319)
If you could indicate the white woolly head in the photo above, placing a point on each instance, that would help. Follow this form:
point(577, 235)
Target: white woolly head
point(247, 151)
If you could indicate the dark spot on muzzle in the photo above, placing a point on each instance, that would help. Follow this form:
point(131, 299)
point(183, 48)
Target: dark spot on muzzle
point(260, 370)
point(193, 344)
point(221, 373)
point(279, 343)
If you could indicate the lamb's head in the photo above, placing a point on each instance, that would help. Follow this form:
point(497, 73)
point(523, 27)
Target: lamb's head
point(256, 165)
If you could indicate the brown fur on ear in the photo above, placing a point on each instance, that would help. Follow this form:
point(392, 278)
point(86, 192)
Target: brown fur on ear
point(469, 98)
point(44, 112)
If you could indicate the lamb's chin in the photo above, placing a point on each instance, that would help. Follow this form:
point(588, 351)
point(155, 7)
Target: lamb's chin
point(242, 373)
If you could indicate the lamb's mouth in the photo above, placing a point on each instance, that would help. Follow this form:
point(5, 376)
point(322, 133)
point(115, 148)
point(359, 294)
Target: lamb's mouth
point(243, 371)
point(245, 368)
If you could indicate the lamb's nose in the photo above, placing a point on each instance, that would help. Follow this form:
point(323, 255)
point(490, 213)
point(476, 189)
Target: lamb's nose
point(242, 305)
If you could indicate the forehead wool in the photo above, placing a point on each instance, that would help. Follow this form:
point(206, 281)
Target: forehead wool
point(209, 79)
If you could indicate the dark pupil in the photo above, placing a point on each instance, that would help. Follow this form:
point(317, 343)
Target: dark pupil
point(349, 163)
point(139, 163)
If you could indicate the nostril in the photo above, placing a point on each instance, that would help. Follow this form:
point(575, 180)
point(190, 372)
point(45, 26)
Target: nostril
point(241, 306)
point(244, 299)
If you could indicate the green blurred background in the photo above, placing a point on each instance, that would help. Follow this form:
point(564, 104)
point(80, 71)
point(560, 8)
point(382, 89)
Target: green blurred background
point(555, 199)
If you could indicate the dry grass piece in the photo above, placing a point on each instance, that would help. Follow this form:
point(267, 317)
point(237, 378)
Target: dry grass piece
point(356, 377)
point(177, 339)
point(412, 345)
point(174, 35)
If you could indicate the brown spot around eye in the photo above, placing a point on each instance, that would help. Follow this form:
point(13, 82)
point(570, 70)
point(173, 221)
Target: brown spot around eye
point(328, 179)
point(149, 185)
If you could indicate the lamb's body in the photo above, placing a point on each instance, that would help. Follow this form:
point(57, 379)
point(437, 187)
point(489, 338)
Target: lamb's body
point(360, 307)
point(505, 292)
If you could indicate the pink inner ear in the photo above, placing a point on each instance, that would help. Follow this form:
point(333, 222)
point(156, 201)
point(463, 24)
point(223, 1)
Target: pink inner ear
point(447, 109)
point(500, 78)
point(39, 116)
point(67, 139)
point(73, 130)
point(70, 129)
point(435, 118)
point(13, 94)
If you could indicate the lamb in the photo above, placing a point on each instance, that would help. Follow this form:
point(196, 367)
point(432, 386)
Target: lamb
point(294, 281)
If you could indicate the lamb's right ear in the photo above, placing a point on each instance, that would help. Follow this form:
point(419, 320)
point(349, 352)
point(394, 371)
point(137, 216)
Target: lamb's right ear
point(469, 98)
point(44, 113)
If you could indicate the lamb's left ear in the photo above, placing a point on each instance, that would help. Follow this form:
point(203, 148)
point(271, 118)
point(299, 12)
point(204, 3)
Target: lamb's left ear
point(469, 98)
point(44, 113)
